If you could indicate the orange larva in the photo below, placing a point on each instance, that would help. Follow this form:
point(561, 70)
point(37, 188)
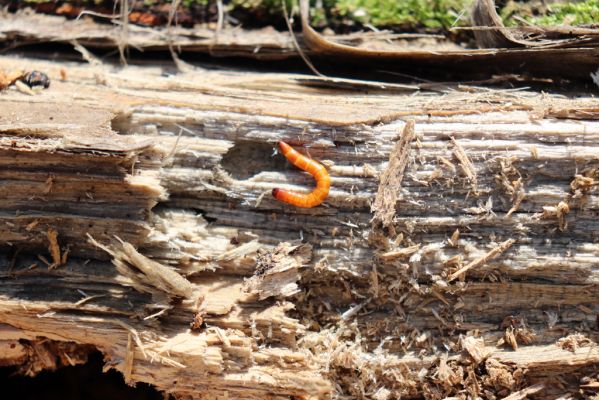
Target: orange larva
point(319, 172)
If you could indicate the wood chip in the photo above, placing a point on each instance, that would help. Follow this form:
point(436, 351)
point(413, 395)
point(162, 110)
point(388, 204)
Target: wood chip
point(483, 259)
point(523, 394)
point(465, 164)
point(129, 357)
point(475, 347)
point(159, 275)
point(390, 183)
point(401, 253)
point(53, 248)
point(277, 271)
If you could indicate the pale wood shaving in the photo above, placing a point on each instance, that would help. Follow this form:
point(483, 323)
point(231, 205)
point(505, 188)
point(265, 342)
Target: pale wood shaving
point(502, 247)
point(401, 253)
point(153, 274)
point(475, 347)
point(465, 164)
point(129, 358)
point(390, 182)
point(524, 393)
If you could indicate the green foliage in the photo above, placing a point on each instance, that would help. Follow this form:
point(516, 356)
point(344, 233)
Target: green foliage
point(567, 13)
point(580, 13)
point(379, 13)
point(189, 3)
point(412, 13)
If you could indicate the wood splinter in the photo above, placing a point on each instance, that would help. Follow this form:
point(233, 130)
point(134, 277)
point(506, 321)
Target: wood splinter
point(503, 246)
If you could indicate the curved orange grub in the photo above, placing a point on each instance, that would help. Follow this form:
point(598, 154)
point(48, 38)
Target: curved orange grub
point(317, 170)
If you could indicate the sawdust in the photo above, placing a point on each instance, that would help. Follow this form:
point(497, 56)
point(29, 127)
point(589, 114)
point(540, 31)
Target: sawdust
point(499, 377)
point(574, 341)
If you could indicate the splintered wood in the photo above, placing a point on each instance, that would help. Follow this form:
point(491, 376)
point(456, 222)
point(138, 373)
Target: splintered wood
point(277, 272)
point(482, 260)
point(469, 269)
point(465, 164)
point(390, 184)
point(153, 276)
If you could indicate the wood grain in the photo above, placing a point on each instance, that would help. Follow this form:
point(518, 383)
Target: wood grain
point(178, 170)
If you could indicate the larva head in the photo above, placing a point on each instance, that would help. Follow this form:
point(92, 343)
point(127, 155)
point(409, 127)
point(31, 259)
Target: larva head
point(284, 147)
point(275, 193)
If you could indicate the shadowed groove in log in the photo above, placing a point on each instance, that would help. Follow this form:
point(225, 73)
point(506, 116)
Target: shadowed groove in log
point(86, 379)
point(247, 159)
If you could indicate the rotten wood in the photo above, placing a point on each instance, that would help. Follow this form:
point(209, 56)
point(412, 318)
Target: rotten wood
point(390, 185)
point(171, 174)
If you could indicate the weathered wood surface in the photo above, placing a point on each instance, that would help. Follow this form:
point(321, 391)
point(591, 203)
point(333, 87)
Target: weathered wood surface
point(488, 262)
point(26, 27)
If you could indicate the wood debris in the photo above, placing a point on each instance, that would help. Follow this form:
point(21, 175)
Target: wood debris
point(54, 248)
point(390, 182)
point(510, 179)
point(574, 341)
point(497, 250)
point(401, 253)
point(475, 348)
point(465, 164)
point(524, 393)
point(559, 212)
point(129, 359)
point(500, 377)
point(146, 274)
point(278, 271)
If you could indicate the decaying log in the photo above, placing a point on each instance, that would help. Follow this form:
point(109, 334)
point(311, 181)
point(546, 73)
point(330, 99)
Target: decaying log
point(172, 259)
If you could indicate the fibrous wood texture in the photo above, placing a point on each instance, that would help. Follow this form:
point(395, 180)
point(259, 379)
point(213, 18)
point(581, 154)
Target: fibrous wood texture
point(136, 218)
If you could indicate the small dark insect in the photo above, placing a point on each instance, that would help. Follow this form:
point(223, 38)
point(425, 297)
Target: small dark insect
point(36, 78)
point(198, 322)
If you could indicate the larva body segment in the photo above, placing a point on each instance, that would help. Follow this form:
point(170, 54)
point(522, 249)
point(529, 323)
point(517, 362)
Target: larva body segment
point(317, 170)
